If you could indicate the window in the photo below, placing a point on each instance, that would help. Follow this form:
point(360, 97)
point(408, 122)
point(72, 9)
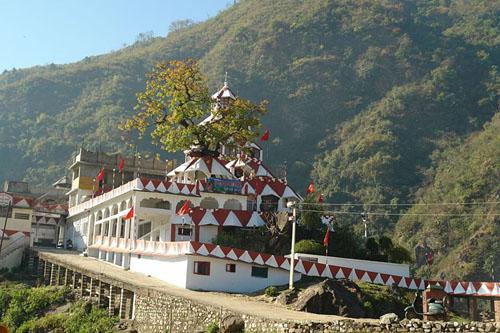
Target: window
point(209, 203)
point(155, 203)
point(269, 203)
point(4, 211)
point(251, 203)
point(260, 272)
point(231, 268)
point(21, 216)
point(143, 229)
point(232, 204)
point(202, 267)
point(184, 231)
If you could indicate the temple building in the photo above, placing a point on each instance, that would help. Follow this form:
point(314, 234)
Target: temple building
point(134, 221)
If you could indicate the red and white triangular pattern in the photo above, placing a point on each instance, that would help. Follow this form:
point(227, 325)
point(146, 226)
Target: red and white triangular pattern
point(310, 268)
point(166, 187)
point(223, 217)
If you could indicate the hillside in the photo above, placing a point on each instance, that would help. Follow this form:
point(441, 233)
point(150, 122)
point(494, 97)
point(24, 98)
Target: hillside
point(362, 94)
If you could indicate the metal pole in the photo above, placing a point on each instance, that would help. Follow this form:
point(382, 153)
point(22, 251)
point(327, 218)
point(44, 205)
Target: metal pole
point(114, 178)
point(4, 227)
point(292, 252)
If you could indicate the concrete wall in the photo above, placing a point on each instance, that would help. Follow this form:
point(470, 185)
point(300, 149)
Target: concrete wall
point(241, 281)
point(367, 265)
point(172, 270)
point(158, 312)
point(75, 232)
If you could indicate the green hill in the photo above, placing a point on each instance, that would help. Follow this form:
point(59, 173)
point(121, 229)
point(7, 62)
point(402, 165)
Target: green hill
point(363, 94)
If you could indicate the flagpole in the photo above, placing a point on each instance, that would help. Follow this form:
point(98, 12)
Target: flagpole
point(114, 170)
point(93, 187)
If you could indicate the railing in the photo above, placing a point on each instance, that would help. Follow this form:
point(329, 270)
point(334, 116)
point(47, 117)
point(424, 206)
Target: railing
point(131, 185)
point(141, 246)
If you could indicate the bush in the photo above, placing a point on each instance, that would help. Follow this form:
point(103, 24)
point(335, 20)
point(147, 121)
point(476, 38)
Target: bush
point(271, 291)
point(309, 246)
point(213, 327)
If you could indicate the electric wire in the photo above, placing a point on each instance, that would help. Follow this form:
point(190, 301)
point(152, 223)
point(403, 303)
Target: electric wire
point(403, 204)
point(396, 214)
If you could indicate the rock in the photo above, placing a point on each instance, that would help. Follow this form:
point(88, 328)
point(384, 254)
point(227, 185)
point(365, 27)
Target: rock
point(330, 297)
point(286, 297)
point(232, 324)
point(389, 318)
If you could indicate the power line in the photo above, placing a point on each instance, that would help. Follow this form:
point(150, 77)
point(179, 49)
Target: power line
point(403, 204)
point(395, 214)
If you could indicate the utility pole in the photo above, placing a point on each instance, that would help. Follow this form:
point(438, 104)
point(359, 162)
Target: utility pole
point(293, 205)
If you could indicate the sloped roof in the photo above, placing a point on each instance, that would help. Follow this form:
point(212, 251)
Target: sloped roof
point(224, 92)
point(210, 166)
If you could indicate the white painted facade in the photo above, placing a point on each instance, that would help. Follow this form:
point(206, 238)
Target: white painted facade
point(180, 271)
point(240, 281)
point(366, 265)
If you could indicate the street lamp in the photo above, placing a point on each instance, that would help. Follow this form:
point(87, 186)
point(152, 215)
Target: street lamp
point(292, 205)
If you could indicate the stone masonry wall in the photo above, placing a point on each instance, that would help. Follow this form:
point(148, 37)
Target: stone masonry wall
point(157, 312)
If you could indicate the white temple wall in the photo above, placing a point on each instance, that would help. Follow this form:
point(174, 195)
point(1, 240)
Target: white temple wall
point(172, 270)
point(241, 281)
point(367, 265)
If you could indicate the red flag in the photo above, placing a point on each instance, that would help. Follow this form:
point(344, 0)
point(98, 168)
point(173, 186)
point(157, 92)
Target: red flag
point(100, 178)
point(184, 210)
point(130, 214)
point(265, 136)
point(121, 165)
point(327, 237)
point(100, 175)
point(320, 198)
point(310, 188)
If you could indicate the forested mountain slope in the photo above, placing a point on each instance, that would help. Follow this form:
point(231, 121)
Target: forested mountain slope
point(370, 92)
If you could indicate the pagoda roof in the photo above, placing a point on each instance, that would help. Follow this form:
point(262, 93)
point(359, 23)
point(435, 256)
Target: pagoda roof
point(224, 92)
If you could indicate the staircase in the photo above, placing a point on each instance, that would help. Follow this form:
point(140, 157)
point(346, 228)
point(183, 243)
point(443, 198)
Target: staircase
point(12, 254)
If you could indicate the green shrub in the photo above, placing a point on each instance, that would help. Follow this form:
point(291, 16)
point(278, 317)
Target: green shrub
point(309, 246)
point(272, 291)
point(368, 307)
point(213, 327)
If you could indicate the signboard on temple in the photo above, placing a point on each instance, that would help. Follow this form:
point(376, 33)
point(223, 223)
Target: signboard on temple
point(219, 185)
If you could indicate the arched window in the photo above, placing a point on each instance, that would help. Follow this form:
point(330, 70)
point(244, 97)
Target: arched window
point(99, 215)
point(106, 213)
point(232, 204)
point(155, 203)
point(209, 203)
point(123, 205)
point(115, 209)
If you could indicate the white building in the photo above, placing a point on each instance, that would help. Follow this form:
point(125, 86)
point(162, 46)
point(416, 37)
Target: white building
point(33, 218)
point(179, 249)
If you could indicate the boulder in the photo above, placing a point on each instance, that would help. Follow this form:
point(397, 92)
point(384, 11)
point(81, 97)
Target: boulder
point(232, 324)
point(389, 318)
point(287, 297)
point(330, 297)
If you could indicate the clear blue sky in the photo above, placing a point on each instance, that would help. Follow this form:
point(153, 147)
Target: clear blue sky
point(39, 32)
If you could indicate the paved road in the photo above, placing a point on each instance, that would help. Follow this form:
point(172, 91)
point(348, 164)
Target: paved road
point(237, 303)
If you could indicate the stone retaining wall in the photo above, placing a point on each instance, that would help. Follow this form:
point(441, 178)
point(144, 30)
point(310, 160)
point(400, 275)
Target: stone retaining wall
point(157, 312)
